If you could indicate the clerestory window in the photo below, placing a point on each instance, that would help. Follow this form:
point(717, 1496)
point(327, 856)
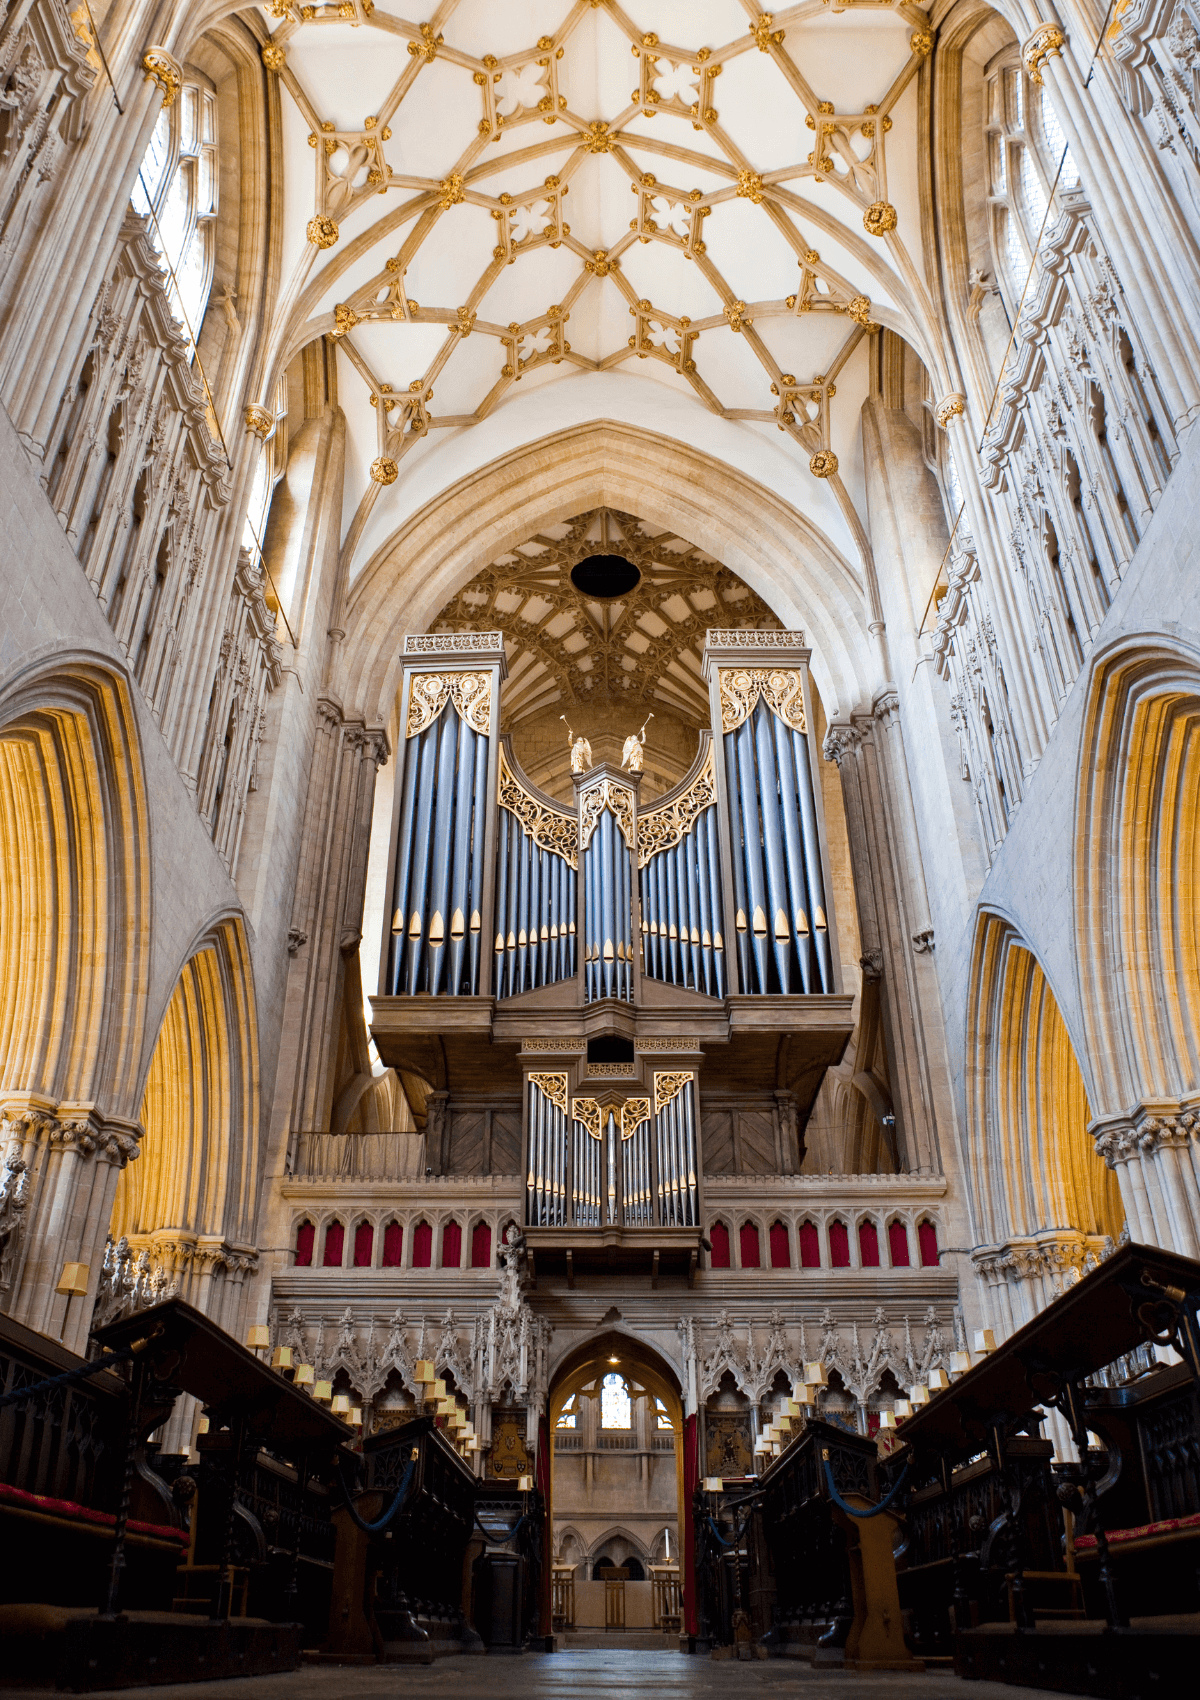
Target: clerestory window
point(1025, 148)
point(176, 192)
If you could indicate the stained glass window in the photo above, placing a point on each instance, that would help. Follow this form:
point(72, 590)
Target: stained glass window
point(616, 1410)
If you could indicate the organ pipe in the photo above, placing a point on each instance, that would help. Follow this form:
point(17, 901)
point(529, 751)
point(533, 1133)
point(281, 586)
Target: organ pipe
point(535, 890)
point(680, 886)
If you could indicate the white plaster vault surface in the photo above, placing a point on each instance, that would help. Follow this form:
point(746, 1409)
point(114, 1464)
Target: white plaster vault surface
point(619, 210)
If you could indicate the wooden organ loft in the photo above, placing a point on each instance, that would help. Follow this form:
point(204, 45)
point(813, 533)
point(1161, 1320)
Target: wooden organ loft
point(613, 999)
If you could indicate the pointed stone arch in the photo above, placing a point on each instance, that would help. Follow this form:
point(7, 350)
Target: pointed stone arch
point(192, 1196)
point(770, 544)
point(74, 967)
point(1042, 1201)
point(1137, 927)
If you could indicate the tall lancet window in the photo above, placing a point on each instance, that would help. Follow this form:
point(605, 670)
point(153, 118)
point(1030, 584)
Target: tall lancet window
point(1025, 145)
point(616, 1410)
point(176, 192)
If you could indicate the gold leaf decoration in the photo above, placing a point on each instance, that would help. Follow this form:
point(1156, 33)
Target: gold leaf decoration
point(663, 828)
point(552, 1086)
point(667, 1088)
point(741, 687)
point(586, 1112)
point(606, 795)
point(471, 694)
point(635, 1111)
point(549, 829)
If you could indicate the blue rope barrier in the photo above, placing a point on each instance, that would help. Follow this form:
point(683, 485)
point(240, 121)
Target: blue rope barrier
point(872, 1511)
point(23, 1395)
point(401, 1495)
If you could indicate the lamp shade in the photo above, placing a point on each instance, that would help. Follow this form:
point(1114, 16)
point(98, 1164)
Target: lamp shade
point(74, 1280)
point(938, 1380)
point(918, 1395)
point(816, 1375)
point(355, 1418)
point(960, 1363)
point(305, 1376)
point(985, 1340)
point(424, 1374)
point(323, 1390)
point(341, 1405)
point(281, 1357)
point(887, 1419)
point(713, 1484)
point(903, 1409)
point(258, 1337)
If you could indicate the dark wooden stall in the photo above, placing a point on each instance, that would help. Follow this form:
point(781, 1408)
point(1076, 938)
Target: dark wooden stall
point(195, 1571)
point(1082, 1576)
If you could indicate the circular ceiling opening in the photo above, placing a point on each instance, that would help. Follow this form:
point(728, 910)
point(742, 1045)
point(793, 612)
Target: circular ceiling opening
point(605, 576)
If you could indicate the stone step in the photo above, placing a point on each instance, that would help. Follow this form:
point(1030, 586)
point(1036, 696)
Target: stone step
point(617, 1640)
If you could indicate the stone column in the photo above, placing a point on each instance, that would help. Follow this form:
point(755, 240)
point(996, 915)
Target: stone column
point(72, 1161)
point(1153, 1149)
point(893, 921)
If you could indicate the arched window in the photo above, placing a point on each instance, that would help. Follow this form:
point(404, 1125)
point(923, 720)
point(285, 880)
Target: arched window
point(306, 1236)
point(452, 1245)
point(335, 1245)
point(664, 1420)
point(781, 1252)
point(927, 1240)
point(810, 1246)
point(898, 1244)
point(1025, 144)
point(748, 1246)
point(481, 1246)
point(839, 1246)
point(422, 1246)
point(364, 1244)
point(718, 1238)
point(176, 192)
point(568, 1415)
point(868, 1245)
point(393, 1245)
point(616, 1410)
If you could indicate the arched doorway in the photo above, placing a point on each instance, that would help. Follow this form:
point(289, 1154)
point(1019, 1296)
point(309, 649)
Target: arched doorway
point(618, 1506)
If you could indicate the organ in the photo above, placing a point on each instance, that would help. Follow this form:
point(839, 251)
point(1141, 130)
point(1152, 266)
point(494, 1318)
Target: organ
point(626, 974)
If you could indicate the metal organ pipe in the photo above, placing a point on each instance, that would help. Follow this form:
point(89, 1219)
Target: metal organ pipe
point(812, 857)
point(681, 906)
point(438, 889)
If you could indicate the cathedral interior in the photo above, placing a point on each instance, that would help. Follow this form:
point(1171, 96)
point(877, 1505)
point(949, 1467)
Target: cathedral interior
point(599, 831)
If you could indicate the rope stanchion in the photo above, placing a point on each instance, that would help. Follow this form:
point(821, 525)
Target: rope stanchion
point(24, 1395)
point(401, 1495)
point(872, 1511)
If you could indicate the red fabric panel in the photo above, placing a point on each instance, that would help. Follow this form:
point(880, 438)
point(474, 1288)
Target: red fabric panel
point(364, 1241)
point(691, 1481)
point(541, 1482)
point(422, 1246)
point(748, 1241)
point(927, 1240)
point(810, 1246)
point(451, 1246)
point(335, 1244)
point(781, 1257)
point(839, 1245)
point(393, 1245)
point(868, 1245)
point(16, 1496)
point(306, 1236)
point(481, 1246)
point(898, 1245)
point(718, 1236)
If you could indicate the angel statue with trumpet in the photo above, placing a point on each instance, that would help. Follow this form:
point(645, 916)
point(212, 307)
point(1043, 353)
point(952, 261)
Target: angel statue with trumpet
point(581, 750)
point(632, 755)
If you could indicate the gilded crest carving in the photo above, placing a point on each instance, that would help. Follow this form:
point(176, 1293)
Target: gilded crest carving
point(552, 1086)
point(782, 687)
point(662, 829)
point(667, 1088)
point(586, 1112)
point(471, 694)
point(634, 1111)
point(549, 830)
point(606, 795)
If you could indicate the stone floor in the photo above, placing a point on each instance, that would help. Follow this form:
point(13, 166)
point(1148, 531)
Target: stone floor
point(566, 1676)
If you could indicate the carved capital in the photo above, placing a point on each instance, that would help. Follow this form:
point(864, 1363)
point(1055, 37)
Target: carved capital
point(260, 420)
point(872, 965)
point(841, 740)
point(164, 69)
point(923, 942)
point(1046, 42)
point(950, 407)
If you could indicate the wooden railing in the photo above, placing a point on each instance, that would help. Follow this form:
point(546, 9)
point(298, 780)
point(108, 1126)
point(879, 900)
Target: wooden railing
point(563, 1604)
point(668, 1597)
point(320, 1156)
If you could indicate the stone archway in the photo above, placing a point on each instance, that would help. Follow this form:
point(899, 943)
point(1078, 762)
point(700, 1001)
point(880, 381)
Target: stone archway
point(606, 1514)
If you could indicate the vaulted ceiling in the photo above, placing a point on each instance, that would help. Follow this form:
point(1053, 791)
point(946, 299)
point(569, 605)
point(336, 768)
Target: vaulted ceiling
point(522, 213)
